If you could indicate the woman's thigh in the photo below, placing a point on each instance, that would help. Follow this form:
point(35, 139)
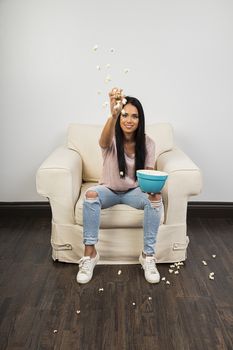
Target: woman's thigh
point(107, 197)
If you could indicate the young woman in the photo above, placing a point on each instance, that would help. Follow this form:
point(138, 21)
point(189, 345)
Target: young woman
point(125, 149)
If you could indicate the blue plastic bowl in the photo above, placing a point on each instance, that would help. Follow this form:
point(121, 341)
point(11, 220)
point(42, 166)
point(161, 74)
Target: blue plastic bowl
point(151, 180)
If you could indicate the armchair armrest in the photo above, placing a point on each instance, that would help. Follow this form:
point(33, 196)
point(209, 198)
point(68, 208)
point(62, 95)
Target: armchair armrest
point(59, 178)
point(184, 180)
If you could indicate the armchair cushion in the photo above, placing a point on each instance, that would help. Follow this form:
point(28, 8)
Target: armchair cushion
point(129, 217)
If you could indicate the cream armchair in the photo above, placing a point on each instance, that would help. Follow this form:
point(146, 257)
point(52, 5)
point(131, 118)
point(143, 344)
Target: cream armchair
point(66, 174)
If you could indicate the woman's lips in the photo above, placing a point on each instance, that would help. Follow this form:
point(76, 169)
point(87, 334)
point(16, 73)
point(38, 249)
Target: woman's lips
point(128, 126)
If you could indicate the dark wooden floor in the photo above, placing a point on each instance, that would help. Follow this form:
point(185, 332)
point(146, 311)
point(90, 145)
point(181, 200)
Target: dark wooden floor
point(39, 296)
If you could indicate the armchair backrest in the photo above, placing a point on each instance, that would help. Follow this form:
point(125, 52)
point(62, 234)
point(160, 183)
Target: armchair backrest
point(84, 139)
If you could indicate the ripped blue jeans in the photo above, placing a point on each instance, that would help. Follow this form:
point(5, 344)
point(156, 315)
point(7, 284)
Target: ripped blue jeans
point(107, 198)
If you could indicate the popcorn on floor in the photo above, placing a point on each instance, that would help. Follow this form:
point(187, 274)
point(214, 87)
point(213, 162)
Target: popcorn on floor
point(211, 276)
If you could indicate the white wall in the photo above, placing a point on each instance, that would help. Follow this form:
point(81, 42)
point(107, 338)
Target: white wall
point(180, 56)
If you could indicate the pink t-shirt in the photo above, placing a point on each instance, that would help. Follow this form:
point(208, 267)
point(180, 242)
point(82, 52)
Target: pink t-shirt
point(110, 172)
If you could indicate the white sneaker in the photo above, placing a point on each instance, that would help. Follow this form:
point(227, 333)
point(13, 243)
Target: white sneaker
point(150, 271)
point(86, 267)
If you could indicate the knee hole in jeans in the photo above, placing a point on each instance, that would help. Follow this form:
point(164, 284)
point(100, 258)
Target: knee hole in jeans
point(91, 195)
point(156, 204)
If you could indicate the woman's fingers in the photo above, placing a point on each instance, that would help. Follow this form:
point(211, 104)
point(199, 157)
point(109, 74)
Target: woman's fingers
point(115, 91)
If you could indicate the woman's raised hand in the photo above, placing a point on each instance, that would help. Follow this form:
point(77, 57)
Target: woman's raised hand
point(117, 100)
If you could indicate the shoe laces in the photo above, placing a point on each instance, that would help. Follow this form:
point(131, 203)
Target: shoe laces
point(150, 265)
point(85, 264)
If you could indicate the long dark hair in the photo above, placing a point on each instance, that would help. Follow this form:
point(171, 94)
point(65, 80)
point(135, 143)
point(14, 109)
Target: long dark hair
point(140, 146)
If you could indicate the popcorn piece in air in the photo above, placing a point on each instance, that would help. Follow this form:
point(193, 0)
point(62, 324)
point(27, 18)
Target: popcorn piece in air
point(167, 282)
point(172, 266)
point(126, 70)
point(108, 79)
point(214, 256)
point(123, 112)
point(124, 101)
point(133, 303)
point(78, 311)
point(105, 104)
point(119, 272)
point(108, 65)
point(204, 262)
point(55, 331)
point(170, 271)
point(163, 278)
point(95, 48)
point(149, 298)
point(101, 289)
point(121, 173)
point(176, 272)
point(98, 67)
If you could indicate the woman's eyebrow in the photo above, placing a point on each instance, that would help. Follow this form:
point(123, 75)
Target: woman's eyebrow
point(134, 114)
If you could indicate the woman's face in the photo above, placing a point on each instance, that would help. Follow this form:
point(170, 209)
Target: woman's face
point(129, 119)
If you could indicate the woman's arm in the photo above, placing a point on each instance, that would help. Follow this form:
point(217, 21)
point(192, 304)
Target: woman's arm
point(108, 132)
point(116, 105)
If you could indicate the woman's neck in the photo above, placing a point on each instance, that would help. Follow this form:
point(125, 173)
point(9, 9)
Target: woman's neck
point(129, 138)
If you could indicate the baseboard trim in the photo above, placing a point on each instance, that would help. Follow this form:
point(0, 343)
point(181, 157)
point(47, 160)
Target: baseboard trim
point(195, 209)
point(25, 208)
point(210, 209)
